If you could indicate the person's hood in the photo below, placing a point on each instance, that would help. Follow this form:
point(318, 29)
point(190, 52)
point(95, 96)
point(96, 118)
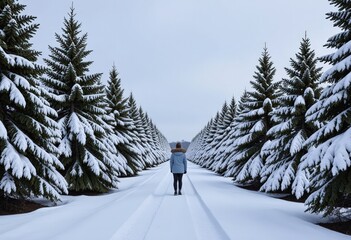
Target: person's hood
point(178, 150)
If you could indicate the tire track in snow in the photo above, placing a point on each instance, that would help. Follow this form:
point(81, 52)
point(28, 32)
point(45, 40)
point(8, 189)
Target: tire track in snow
point(79, 220)
point(110, 204)
point(138, 224)
point(205, 223)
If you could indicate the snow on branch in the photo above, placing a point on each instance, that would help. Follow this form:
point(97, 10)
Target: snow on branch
point(76, 128)
point(258, 127)
point(7, 57)
point(11, 159)
point(20, 140)
point(56, 177)
point(28, 169)
point(343, 84)
point(297, 143)
point(15, 93)
point(339, 67)
point(40, 152)
point(65, 147)
point(7, 183)
point(301, 183)
point(299, 101)
point(93, 97)
point(3, 131)
point(21, 61)
point(92, 162)
point(342, 51)
point(20, 81)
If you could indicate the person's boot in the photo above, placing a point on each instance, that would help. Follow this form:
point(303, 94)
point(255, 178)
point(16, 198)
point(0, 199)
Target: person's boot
point(179, 193)
point(175, 192)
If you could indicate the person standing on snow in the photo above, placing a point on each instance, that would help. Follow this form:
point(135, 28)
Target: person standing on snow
point(178, 167)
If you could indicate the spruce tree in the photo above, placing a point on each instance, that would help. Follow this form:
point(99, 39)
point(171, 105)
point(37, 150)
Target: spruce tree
point(164, 146)
point(157, 143)
point(218, 136)
point(221, 150)
point(284, 151)
point(255, 123)
point(79, 99)
point(150, 144)
point(123, 124)
point(28, 133)
point(210, 141)
point(235, 132)
point(197, 149)
point(330, 153)
point(138, 130)
point(194, 147)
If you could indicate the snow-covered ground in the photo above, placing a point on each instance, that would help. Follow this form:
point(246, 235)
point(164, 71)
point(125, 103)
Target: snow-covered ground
point(145, 208)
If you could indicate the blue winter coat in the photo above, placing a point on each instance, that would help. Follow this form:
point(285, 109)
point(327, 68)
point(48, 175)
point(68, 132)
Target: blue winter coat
point(178, 162)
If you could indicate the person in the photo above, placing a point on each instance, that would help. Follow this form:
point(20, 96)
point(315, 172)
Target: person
point(178, 167)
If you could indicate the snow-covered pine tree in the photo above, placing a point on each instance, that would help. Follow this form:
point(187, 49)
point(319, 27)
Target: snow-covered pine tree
point(218, 136)
point(139, 138)
point(212, 140)
point(28, 155)
point(118, 106)
point(255, 123)
point(154, 153)
point(197, 158)
point(193, 147)
point(331, 154)
point(209, 138)
point(219, 156)
point(148, 143)
point(283, 153)
point(112, 139)
point(235, 132)
point(162, 151)
point(164, 146)
point(79, 100)
point(198, 144)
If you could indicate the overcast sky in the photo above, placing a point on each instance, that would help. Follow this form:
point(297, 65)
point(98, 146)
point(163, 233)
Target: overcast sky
point(182, 59)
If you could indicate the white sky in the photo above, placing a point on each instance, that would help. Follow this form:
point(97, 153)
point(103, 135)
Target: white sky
point(182, 59)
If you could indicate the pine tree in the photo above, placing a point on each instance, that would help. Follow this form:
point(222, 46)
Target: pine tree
point(138, 131)
point(123, 128)
point(79, 99)
point(149, 143)
point(206, 138)
point(164, 146)
point(210, 141)
point(28, 133)
point(331, 180)
point(157, 143)
point(255, 123)
point(198, 144)
point(235, 133)
point(217, 138)
point(220, 154)
point(284, 151)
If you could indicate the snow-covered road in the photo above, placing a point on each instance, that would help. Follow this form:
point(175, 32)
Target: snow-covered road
point(145, 208)
point(162, 215)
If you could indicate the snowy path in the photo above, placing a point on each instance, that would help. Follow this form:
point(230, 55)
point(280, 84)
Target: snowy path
point(165, 216)
point(144, 208)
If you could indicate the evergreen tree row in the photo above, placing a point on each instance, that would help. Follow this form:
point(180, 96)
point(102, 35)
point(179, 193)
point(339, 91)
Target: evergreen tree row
point(293, 135)
point(61, 129)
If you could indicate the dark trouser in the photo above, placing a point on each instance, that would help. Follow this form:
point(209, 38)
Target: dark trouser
point(177, 177)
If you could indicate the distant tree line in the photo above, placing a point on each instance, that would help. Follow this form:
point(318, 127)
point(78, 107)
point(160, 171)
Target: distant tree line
point(61, 129)
point(292, 135)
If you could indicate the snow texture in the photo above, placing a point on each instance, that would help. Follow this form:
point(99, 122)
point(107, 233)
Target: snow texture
point(210, 208)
